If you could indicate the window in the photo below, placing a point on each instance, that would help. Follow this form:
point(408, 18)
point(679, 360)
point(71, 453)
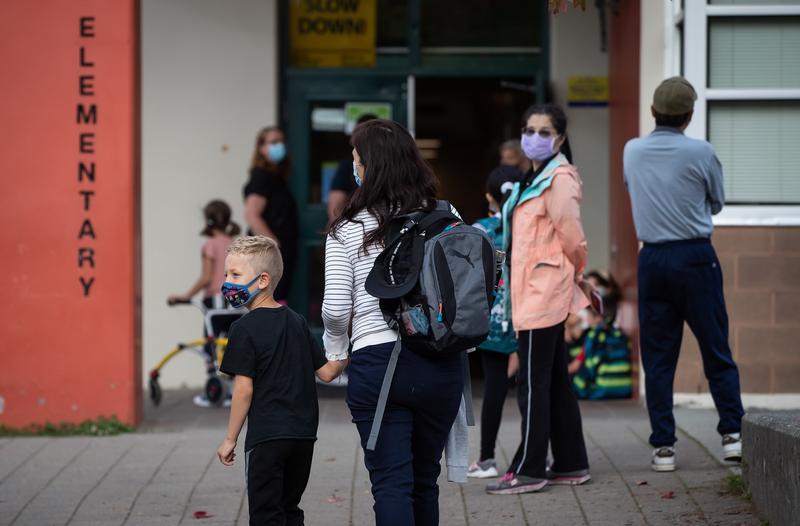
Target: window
point(755, 2)
point(744, 62)
point(757, 145)
point(392, 24)
point(478, 23)
point(761, 52)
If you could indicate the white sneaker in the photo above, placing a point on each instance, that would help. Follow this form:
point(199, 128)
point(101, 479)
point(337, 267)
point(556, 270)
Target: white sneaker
point(201, 401)
point(663, 459)
point(732, 447)
point(483, 469)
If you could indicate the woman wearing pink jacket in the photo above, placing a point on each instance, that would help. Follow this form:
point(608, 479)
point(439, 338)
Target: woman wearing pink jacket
point(547, 251)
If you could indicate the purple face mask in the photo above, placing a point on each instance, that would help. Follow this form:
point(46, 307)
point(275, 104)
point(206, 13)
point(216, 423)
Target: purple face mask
point(536, 147)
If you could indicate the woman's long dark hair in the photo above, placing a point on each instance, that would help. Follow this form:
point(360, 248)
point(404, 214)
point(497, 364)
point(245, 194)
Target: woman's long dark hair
point(397, 179)
point(559, 120)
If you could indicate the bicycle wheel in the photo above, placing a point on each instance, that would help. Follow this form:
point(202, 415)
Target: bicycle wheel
point(215, 390)
point(155, 391)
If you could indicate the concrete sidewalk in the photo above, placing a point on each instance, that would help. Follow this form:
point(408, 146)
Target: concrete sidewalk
point(168, 471)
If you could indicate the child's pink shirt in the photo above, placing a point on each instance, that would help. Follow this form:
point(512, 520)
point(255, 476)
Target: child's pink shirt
point(214, 248)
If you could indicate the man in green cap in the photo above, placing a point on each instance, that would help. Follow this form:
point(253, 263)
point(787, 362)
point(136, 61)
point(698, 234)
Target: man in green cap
point(675, 186)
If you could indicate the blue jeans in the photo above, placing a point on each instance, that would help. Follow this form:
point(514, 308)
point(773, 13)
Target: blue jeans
point(423, 403)
point(682, 281)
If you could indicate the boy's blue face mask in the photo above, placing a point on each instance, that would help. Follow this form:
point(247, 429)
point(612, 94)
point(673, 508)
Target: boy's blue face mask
point(239, 295)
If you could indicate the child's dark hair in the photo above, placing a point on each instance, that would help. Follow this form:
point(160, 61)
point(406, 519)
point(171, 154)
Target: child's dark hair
point(217, 214)
point(557, 117)
point(497, 184)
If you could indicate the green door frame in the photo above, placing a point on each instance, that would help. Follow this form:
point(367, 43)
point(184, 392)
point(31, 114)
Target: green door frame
point(301, 87)
point(303, 93)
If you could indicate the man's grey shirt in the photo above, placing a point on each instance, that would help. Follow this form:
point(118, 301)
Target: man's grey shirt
point(675, 185)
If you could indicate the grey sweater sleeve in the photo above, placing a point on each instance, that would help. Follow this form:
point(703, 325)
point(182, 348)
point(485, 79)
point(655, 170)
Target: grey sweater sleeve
point(714, 184)
point(457, 449)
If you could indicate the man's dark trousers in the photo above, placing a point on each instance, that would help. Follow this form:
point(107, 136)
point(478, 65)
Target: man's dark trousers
point(682, 281)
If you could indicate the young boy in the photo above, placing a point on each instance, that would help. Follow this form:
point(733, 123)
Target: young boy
point(272, 357)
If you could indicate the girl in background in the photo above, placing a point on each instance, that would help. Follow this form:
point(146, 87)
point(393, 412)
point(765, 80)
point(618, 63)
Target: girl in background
point(219, 231)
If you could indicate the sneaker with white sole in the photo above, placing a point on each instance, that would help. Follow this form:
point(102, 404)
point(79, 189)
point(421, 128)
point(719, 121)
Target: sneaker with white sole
point(201, 401)
point(512, 484)
point(732, 447)
point(483, 469)
point(663, 459)
point(568, 478)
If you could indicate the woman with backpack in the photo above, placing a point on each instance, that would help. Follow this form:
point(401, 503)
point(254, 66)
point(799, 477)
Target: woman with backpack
point(426, 392)
point(547, 250)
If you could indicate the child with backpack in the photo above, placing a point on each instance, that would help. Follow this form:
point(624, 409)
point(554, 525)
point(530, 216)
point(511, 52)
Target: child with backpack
point(601, 366)
point(499, 351)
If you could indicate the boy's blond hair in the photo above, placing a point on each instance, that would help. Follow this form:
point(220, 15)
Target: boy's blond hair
point(263, 254)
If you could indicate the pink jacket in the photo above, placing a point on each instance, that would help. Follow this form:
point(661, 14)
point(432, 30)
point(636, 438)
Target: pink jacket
point(548, 254)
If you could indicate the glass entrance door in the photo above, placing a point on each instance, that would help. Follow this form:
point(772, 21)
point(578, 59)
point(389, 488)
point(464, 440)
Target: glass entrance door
point(322, 111)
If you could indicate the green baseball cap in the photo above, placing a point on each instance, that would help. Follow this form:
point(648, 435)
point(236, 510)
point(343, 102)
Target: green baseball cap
point(674, 96)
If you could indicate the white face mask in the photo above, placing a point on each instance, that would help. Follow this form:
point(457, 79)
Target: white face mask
point(584, 315)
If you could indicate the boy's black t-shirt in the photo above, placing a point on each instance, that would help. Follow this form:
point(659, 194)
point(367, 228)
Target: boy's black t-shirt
point(275, 348)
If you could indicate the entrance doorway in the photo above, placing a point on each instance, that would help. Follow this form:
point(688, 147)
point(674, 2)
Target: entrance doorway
point(460, 125)
point(457, 73)
point(321, 112)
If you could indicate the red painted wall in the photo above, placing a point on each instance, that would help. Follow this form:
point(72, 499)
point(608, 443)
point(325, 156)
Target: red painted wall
point(70, 263)
point(623, 66)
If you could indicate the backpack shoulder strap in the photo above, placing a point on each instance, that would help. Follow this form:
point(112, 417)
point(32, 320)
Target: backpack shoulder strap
point(470, 413)
point(422, 220)
point(383, 396)
point(401, 226)
point(440, 213)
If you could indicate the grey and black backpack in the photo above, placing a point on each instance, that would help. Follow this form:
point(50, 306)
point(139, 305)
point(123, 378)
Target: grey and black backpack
point(435, 280)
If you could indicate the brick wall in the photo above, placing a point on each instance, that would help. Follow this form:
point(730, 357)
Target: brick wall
point(761, 267)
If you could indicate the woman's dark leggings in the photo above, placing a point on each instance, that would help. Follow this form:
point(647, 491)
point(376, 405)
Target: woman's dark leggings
point(495, 388)
point(550, 412)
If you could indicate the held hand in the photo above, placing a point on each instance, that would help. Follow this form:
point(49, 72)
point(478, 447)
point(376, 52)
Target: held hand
point(341, 365)
point(225, 452)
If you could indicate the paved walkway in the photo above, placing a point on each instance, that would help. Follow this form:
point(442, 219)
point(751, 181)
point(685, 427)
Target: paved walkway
point(168, 471)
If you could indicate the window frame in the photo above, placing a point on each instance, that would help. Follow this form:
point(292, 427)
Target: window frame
point(693, 18)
